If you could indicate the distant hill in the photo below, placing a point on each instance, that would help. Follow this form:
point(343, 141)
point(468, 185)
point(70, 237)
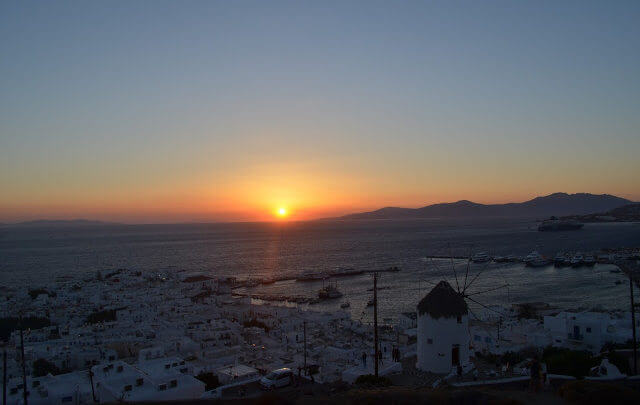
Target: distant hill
point(626, 213)
point(59, 223)
point(558, 204)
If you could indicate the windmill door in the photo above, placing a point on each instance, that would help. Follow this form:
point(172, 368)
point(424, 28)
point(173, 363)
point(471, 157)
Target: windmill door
point(455, 355)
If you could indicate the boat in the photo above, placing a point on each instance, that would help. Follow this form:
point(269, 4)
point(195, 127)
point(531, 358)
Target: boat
point(535, 259)
point(589, 260)
point(512, 258)
point(576, 260)
point(500, 259)
point(559, 260)
point(311, 277)
point(480, 257)
point(345, 304)
point(345, 271)
point(329, 291)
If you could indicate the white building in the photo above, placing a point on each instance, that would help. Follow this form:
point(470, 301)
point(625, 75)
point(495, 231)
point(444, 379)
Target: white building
point(443, 336)
point(588, 330)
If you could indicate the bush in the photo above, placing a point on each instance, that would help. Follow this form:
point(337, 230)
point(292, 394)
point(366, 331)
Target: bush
point(619, 361)
point(568, 362)
point(211, 380)
point(592, 392)
point(8, 325)
point(372, 381)
point(42, 367)
point(102, 316)
point(255, 323)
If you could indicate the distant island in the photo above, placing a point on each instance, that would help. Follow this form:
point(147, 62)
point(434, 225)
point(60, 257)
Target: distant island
point(626, 213)
point(557, 204)
point(58, 223)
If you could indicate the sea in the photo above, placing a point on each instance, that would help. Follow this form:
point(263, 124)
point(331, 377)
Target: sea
point(32, 257)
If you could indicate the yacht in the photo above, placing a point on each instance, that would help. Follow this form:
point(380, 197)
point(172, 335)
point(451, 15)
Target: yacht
point(577, 260)
point(480, 257)
point(345, 304)
point(559, 260)
point(329, 291)
point(589, 260)
point(535, 259)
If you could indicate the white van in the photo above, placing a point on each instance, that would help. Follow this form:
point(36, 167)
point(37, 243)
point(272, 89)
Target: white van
point(277, 378)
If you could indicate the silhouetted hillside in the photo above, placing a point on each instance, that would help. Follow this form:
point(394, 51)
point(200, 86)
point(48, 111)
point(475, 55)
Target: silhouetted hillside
point(558, 204)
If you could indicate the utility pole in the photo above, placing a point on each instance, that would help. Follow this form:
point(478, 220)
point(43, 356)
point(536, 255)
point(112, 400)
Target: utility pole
point(375, 321)
point(24, 371)
point(304, 331)
point(633, 327)
point(4, 375)
point(93, 393)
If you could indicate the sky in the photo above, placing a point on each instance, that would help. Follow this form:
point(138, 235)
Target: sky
point(154, 111)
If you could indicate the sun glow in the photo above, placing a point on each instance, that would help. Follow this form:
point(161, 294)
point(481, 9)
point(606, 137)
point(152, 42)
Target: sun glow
point(282, 212)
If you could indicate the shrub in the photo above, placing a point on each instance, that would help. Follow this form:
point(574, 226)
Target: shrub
point(42, 367)
point(211, 380)
point(102, 316)
point(373, 381)
point(592, 392)
point(568, 362)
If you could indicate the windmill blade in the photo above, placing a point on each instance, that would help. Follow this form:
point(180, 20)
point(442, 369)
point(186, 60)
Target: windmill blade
point(486, 291)
point(486, 307)
point(435, 264)
point(466, 274)
point(474, 315)
point(454, 269)
point(429, 282)
point(475, 278)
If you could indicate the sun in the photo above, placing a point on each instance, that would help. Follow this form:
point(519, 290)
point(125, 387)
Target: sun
point(282, 212)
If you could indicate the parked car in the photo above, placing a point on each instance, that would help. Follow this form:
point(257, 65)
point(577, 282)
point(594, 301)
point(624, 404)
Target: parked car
point(277, 378)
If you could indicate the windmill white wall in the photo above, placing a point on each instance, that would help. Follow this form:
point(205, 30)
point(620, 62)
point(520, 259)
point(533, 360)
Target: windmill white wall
point(437, 339)
point(443, 330)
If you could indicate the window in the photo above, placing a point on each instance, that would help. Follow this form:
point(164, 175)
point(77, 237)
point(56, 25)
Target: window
point(119, 369)
point(128, 387)
point(429, 341)
point(139, 382)
point(487, 339)
point(459, 319)
point(67, 399)
point(173, 383)
point(477, 338)
point(167, 366)
point(162, 387)
point(588, 330)
point(35, 383)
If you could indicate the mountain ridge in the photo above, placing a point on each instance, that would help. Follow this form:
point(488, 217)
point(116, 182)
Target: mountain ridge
point(557, 204)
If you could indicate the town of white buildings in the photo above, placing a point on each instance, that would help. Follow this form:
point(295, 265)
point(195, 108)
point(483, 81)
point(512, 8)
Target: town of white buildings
point(134, 336)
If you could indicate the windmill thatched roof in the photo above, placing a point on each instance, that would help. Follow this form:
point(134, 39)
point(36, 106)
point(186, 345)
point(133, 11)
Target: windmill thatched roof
point(443, 301)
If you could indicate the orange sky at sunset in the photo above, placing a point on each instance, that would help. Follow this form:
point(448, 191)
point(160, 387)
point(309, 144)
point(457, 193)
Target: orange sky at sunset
point(226, 112)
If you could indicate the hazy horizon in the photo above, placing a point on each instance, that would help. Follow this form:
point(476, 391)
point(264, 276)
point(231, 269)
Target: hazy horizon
point(213, 111)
